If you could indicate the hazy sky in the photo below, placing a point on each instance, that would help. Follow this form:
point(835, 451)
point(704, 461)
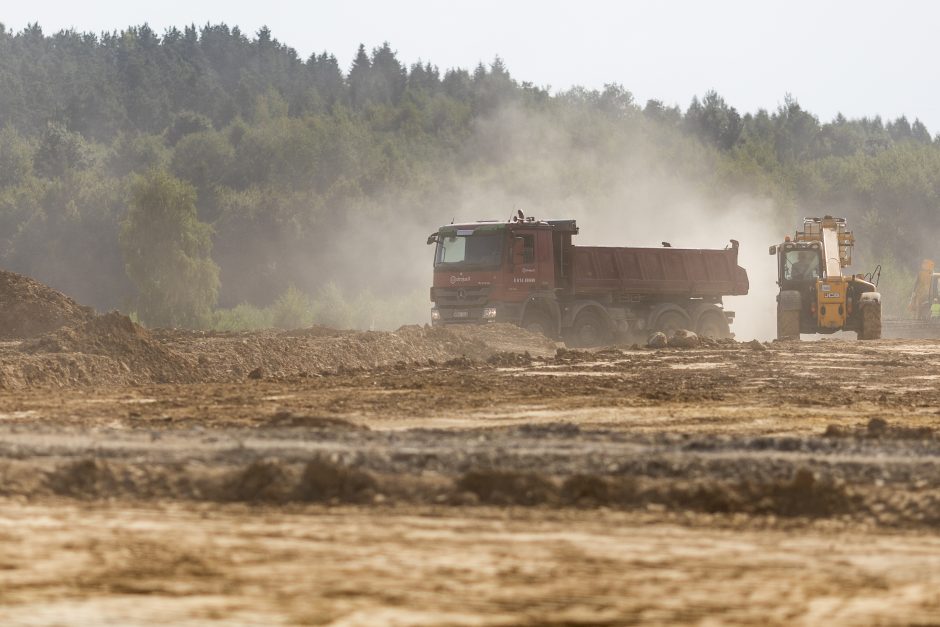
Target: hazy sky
point(860, 58)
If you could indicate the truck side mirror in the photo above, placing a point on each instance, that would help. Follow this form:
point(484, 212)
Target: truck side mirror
point(773, 250)
point(518, 251)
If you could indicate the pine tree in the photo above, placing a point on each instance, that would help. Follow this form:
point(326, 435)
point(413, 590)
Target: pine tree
point(359, 75)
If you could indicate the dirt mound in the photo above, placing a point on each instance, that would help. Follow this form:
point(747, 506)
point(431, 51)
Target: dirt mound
point(84, 478)
point(501, 338)
point(108, 334)
point(881, 429)
point(498, 487)
point(28, 308)
point(270, 481)
point(802, 495)
point(112, 350)
point(476, 342)
point(326, 481)
point(315, 423)
point(317, 330)
point(117, 337)
point(586, 490)
point(274, 355)
point(508, 359)
point(261, 481)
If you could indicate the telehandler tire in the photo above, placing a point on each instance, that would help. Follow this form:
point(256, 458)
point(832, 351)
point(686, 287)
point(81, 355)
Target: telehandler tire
point(871, 322)
point(789, 306)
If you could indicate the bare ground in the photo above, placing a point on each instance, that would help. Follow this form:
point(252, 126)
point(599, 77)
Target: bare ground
point(422, 477)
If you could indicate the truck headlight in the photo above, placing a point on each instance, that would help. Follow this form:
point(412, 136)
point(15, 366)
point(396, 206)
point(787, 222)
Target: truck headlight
point(435, 314)
point(489, 313)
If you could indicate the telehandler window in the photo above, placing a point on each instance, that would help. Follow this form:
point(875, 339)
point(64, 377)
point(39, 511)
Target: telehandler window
point(801, 265)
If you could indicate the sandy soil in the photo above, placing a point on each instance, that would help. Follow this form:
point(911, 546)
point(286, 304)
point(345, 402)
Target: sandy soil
point(735, 483)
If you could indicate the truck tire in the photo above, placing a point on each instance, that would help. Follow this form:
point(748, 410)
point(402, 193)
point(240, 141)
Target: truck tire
point(713, 323)
point(538, 322)
point(871, 322)
point(788, 324)
point(671, 321)
point(589, 330)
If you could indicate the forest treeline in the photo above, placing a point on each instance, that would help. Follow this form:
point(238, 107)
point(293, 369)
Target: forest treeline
point(207, 177)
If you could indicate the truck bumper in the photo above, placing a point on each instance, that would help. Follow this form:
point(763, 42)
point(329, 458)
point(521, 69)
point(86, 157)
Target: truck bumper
point(489, 314)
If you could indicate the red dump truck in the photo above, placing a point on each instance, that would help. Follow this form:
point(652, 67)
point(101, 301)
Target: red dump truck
point(528, 272)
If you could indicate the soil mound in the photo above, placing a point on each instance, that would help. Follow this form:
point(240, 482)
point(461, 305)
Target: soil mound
point(325, 481)
point(84, 478)
point(263, 481)
point(497, 487)
point(28, 308)
point(315, 423)
point(115, 336)
point(317, 330)
point(276, 354)
point(880, 429)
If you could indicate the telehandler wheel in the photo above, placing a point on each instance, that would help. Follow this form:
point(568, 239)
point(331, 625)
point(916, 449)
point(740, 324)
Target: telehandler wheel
point(871, 322)
point(589, 330)
point(788, 324)
point(538, 322)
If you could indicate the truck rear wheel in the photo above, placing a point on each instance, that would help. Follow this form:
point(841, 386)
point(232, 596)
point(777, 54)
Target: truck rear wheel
point(788, 324)
point(713, 323)
point(871, 322)
point(589, 330)
point(671, 321)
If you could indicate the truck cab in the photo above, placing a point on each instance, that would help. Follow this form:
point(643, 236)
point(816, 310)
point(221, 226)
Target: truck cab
point(495, 271)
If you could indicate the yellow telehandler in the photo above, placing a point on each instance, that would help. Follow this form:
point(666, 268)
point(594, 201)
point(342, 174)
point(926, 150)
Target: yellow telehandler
point(923, 310)
point(815, 297)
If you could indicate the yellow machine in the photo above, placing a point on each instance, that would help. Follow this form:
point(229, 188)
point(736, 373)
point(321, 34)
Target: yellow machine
point(815, 297)
point(925, 299)
point(923, 319)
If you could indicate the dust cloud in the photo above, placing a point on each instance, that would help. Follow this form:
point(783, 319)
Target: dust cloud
point(625, 188)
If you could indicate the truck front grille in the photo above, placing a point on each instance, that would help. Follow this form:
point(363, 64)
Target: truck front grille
point(461, 296)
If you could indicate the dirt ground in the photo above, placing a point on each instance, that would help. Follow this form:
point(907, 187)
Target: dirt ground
point(476, 476)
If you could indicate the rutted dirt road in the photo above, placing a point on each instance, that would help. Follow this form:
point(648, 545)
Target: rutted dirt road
point(772, 483)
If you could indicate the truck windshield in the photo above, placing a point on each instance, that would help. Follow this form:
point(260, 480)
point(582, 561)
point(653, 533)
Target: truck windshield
point(468, 248)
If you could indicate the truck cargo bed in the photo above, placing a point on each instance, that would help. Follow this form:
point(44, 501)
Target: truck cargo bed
point(681, 272)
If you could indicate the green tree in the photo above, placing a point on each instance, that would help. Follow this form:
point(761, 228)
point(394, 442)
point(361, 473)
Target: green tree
point(16, 158)
point(167, 253)
point(359, 77)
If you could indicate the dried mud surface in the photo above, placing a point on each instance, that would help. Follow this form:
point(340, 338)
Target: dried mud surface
point(469, 476)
